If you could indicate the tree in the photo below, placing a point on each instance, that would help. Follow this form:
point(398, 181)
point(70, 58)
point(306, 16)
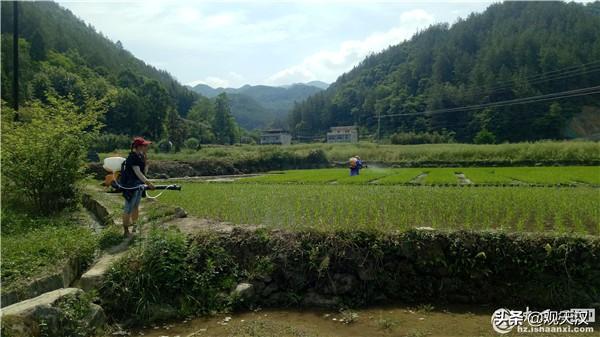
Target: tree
point(43, 157)
point(156, 103)
point(550, 125)
point(223, 125)
point(473, 62)
point(484, 137)
point(125, 114)
point(38, 47)
point(176, 128)
point(203, 110)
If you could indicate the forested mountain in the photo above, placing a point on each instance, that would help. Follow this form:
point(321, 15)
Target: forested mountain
point(62, 56)
point(318, 84)
point(512, 50)
point(257, 106)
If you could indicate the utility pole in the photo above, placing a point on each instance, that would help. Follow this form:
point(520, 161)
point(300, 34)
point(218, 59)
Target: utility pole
point(16, 58)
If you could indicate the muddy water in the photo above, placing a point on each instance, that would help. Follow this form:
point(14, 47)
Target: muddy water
point(384, 322)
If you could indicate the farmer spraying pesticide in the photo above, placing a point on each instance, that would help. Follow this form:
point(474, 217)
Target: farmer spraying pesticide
point(128, 176)
point(133, 176)
point(355, 164)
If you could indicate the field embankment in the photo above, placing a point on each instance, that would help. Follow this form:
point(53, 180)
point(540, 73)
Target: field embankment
point(171, 276)
point(223, 160)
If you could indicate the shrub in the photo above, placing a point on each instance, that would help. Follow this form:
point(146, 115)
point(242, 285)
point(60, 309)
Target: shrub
point(484, 137)
point(317, 157)
point(44, 153)
point(164, 146)
point(192, 143)
point(165, 278)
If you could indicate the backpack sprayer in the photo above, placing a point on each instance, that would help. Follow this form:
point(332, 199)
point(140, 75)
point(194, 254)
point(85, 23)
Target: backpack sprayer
point(113, 166)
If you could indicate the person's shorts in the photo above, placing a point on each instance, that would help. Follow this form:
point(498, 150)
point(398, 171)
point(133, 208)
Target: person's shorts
point(134, 202)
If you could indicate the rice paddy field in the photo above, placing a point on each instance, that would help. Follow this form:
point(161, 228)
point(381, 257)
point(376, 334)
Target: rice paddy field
point(558, 175)
point(525, 199)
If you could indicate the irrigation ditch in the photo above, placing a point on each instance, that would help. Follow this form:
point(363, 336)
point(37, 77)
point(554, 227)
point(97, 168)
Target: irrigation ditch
point(190, 267)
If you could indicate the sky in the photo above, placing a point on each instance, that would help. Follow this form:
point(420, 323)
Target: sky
point(233, 43)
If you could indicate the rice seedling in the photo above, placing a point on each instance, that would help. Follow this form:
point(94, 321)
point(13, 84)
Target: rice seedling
point(382, 207)
point(400, 176)
point(437, 176)
point(485, 175)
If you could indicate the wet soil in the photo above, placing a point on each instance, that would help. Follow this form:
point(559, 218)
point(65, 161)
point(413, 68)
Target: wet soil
point(375, 322)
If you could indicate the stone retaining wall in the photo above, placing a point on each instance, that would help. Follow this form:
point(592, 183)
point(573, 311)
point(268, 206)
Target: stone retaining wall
point(260, 267)
point(63, 278)
point(358, 268)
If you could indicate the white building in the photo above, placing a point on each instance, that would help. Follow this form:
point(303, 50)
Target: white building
point(275, 136)
point(343, 134)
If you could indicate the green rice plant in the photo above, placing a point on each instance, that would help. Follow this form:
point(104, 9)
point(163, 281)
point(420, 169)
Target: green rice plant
point(299, 176)
point(382, 207)
point(534, 175)
point(367, 175)
point(485, 175)
point(441, 176)
point(583, 174)
point(400, 176)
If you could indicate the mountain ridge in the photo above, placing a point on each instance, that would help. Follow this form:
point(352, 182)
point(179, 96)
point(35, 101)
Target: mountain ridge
point(263, 104)
point(501, 54)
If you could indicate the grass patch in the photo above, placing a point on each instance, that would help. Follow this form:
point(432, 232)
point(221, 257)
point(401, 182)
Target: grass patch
point(110, 236)
point(35, 247)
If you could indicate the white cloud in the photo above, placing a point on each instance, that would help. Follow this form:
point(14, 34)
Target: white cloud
point(232, 79)
point(327, 65)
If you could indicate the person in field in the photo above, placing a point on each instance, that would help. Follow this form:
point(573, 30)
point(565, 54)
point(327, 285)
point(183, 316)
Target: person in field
point(355, 165)
point(133, 178)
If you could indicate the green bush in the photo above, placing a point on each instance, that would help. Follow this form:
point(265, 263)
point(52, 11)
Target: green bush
point(164, 146)
point(44, 153)
point(317, 157)
point(165, 278)
point(484, 137)
point(192, 143)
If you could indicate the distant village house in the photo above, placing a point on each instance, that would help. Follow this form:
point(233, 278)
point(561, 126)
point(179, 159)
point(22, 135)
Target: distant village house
point(343, 134)
point(275, 136)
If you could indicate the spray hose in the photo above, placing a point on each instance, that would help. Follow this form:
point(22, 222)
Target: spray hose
point(144, 187)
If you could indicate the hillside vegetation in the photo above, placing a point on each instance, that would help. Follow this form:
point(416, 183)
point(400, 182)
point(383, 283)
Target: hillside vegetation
point(261, 106)
point(512, 50)
point(62, 57)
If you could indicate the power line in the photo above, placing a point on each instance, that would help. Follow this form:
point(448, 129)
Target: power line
point(524, 100)
point(572, 73)
point(552, 73)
